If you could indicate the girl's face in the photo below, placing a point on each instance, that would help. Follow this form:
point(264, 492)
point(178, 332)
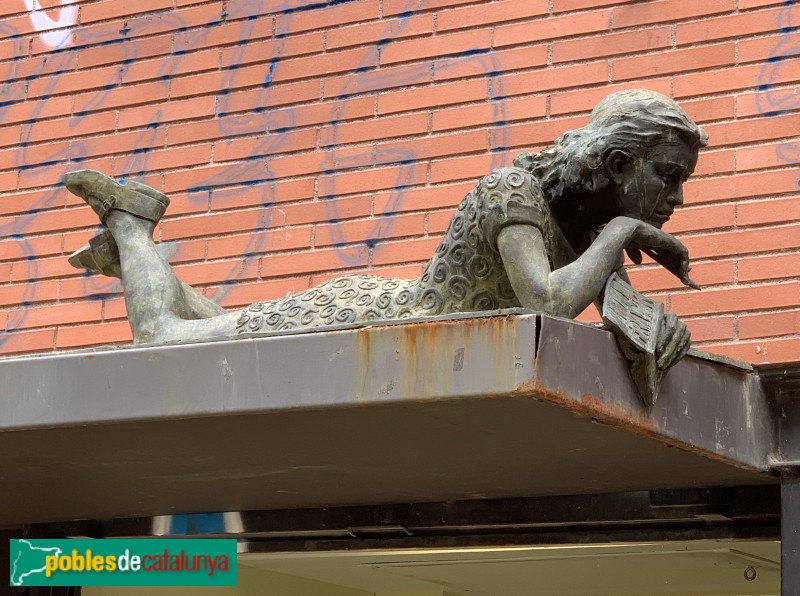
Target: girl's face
point(652, 185)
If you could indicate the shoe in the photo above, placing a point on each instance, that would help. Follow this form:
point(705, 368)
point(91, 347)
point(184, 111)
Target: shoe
point(100, 254)
point(104, 194)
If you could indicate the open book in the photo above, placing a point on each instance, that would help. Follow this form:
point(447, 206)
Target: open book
point(636, 321)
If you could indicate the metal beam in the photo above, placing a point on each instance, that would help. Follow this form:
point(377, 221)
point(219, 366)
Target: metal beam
point(790, 533)
point(515, 404)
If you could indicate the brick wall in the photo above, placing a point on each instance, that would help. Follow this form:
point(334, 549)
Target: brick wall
point(300, 140)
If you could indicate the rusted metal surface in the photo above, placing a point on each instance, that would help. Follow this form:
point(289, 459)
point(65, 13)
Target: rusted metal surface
point(707, 408)
point(481, 407)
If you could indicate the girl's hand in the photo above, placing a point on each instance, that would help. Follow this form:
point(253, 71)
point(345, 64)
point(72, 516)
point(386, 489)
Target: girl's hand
point(674, 341)
point(663, 248)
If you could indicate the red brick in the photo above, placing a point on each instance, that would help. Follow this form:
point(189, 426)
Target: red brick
point(34, 155)
point(271, 217)
point(243, 294)
point(769, 102)
point(330, 16)
point(759, 352)
point(382, 32)
point(636, 13)
point(164, 159)
point(324, 64)
point(724, 80)
point(25, 202)
point(331, 113)
point(418, 249)
point(264, 194)
point(768, 211)
point(711, 329)
point(461, 168)
point(398, 7)
point(400, 272)
point(27, 341)
point(503, 11)
point(65, 128)
point(494, 113)
point(763, 48)
point(658, 279)
point(114, 308)
point(434, 47)
point(438, 221)
point(729, 26)
point(543, 132)
point(218, 271)
point(584, 100)
point(122, 96)
point(273, 52)
point(358, 231)
point(61, 314)
point(37, 110)
point(748, 4)
point(431, 97)
point(326, 259)
point(376, 129)
point(706, 217)
point(555, 78)
point(551, 28)
point(226, 33)
point(127, 142)
point(610, 44)
point(27, 293)
point(116, 53)
point(736, 299)
point(492, 64)
point(568, 5)
point(744, 241)
point(175, 110)
point(27, 248)
point(42, 268)
point(259, 102)
point(422, 199)
point(87, 286)
point(159, 68)
point(356, 83)
point(675, 61)
point(757, 158)
point(769, 324)
point(715, 162)
point(780, 266)
point(108, 9)
point(378, 179)
point(740, 186)
point(432, 147)
point(705, 110)
point(106, 333)
point(8, 181)
point(261, 242)
point(246, 148)
point(753, 130)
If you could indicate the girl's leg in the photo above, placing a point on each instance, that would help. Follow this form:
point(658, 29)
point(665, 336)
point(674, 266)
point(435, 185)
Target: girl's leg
point(156, 299)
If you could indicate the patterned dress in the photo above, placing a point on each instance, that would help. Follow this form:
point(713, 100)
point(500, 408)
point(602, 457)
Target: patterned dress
point(465, 275)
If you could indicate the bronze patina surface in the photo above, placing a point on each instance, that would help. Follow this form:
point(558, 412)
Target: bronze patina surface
point(547, 234)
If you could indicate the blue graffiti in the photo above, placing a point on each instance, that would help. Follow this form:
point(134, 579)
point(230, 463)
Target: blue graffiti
point(253, 170)
point(772, 101)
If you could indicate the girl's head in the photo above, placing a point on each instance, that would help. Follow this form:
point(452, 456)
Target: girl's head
point(636, 122)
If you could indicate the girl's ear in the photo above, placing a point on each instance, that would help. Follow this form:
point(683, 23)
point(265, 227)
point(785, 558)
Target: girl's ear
point(616, 162)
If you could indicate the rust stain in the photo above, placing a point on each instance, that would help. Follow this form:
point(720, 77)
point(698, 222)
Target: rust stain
point(616, 414)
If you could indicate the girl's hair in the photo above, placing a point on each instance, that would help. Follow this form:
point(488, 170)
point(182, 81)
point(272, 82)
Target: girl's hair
point(630, 121)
